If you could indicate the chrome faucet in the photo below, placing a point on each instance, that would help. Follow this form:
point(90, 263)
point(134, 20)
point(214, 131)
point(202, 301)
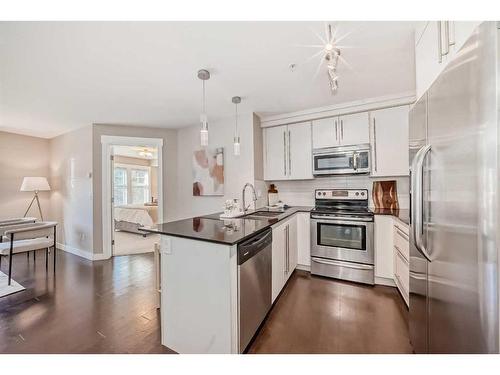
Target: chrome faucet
point(245, 209)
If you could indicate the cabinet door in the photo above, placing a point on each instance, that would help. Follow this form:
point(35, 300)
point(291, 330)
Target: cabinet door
point(402, 275)
point(300, 151)
point(427, 57)
point(384, 253)
point(304, 239)
point(460, 31)
point(278, 260)
point(275, 155)
point(325, 132)
point(354, 129)
point(292, 245)
point(390, 142)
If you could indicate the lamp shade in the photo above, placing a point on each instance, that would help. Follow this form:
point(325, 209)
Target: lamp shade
point(35, 184)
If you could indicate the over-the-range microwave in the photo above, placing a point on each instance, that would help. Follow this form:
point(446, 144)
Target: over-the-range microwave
point(341, 160)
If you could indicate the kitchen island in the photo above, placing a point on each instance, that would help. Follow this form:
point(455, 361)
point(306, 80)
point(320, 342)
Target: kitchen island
point(199, 279)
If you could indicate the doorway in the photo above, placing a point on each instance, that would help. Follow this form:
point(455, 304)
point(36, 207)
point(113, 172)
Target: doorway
point(132, 194)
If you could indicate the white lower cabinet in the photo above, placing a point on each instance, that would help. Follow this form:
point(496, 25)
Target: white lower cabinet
point(304, 240)
point(284, 254)
point(384, 270)
point(401, 259)
point(392, 254)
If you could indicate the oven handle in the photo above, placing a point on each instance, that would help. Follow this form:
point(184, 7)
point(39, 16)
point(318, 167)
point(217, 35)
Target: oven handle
point(342, 220)
point(343, 264)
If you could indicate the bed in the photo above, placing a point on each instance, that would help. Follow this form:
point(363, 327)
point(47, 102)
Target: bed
point(131, 217)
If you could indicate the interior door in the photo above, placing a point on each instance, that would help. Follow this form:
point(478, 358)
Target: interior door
point(112, 226)
point(276, 153)
point(300, 151)
point(354, 129)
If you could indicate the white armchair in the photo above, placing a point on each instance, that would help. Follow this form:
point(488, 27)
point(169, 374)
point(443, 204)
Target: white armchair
point(28, 237)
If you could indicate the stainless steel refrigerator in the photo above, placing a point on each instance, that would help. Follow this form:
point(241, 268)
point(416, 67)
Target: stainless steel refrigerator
point(454, 156)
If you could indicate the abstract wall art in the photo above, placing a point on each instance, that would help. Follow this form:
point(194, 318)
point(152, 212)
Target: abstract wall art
point(208, 172)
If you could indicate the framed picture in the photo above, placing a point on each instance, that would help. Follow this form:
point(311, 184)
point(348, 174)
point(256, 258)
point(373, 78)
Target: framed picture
point(208, 172)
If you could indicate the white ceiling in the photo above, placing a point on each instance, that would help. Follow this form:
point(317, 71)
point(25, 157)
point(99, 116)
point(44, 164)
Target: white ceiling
point(57, 76)
point(135, 152)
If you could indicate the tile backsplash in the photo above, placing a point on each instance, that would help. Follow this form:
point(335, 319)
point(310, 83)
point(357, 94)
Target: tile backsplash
point(301, 193)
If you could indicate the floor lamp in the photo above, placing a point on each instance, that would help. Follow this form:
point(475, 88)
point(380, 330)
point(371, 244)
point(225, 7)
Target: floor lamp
point(35, 184)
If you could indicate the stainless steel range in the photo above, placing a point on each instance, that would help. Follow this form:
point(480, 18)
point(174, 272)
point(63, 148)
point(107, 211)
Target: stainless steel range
point(342, 235)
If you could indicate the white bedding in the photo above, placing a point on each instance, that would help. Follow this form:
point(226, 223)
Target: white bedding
point(136, 213)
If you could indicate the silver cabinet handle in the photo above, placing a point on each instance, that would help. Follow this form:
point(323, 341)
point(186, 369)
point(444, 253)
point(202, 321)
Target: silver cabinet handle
point(451, 33)
point(336, 131)
point(375, 143)
point(440, 46)
point(284, 153)
point(289, 153)
point(417, 199)
point(341, 130)
point(446, 37)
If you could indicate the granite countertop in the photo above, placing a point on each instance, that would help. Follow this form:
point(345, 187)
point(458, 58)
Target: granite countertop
point(223, 231)
point(401, 214)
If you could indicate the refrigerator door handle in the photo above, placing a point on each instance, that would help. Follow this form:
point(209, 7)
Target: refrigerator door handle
point(418, 199)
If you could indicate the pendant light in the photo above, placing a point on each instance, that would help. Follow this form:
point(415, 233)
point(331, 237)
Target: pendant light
point(236, 145)
point(204, 75)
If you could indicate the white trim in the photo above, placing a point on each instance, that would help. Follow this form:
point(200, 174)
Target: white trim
point(384, 281)
point(339, 109)
point(75, 251)
point(303, 267)
point(107, 142)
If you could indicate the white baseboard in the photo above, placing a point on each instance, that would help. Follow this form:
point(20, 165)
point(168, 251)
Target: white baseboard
point(79, 252)
point(304, 267)
point(385, 281)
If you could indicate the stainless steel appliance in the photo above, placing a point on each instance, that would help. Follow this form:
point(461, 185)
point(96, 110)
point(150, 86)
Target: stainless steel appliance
point(454, 155)
point(341, 160)
point(254, 284)
point(342, 235)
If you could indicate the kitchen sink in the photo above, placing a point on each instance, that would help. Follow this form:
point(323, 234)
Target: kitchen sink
point(264, 214)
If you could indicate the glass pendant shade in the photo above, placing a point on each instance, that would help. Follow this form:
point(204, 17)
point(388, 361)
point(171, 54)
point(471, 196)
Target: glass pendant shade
point(236, 146)
point(204, 130)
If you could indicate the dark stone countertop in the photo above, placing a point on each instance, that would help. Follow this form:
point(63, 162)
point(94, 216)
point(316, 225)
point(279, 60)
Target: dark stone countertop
point(223, 231)
point(401, 214)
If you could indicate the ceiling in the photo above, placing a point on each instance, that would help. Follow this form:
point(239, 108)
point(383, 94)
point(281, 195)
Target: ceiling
point(58, 76)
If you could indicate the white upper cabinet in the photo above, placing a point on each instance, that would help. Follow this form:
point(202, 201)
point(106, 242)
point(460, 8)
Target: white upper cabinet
point(436, 46)
point(354, 129)
point(275, 153)
point(299, 151)
point(346, 130)
point(325, 132)
point(288, 152)
point(389, 142)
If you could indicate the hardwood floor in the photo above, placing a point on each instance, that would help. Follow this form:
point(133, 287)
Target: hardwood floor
point(320, 315)
point(109, 307)
point(100, 307)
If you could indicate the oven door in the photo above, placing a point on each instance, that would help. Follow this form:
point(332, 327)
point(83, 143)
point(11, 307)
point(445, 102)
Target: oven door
point(344, 240)
point(329, 162)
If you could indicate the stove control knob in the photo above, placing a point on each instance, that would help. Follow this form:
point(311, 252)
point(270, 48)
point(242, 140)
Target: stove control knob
point(362, 193)
point(357, 193)
point(324, 193)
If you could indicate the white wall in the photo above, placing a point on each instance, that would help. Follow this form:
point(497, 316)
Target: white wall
point(238, 170)
point(71, 196)
point(301, 193)
point(22, 156)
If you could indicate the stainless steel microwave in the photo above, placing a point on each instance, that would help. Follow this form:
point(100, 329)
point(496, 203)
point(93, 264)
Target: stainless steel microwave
point(341, 160)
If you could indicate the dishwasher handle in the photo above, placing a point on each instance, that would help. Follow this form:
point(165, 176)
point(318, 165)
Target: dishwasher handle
point(254, 245)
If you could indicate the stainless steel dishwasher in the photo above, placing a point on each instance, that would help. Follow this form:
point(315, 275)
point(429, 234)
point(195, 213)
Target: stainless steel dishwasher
point(254, 284)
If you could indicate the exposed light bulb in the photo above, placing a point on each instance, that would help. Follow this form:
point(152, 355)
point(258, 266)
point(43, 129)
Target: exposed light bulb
point(236, 146)
point(329, 47)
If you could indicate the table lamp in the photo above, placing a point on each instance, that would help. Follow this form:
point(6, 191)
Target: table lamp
point(35, 184)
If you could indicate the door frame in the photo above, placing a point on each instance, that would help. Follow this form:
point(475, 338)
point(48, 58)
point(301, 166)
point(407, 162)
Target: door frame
point(107, 142)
